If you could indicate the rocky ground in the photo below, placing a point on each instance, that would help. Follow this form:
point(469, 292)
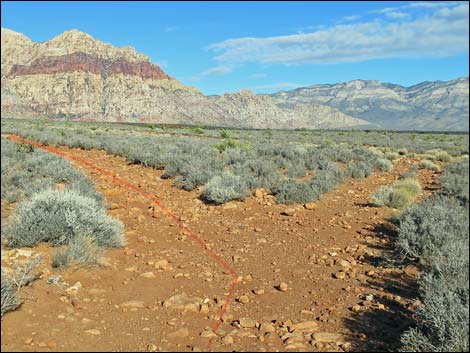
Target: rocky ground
point(310, 276)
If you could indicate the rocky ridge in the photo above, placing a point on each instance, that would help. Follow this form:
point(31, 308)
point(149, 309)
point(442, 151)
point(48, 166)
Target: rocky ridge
point(74, 76)
point(433, 105)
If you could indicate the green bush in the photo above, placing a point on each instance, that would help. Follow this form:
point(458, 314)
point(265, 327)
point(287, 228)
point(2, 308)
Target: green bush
point(427, 164)
point(455, 181)
point(443, 156)
point(223, 188)
point(392, 155)
point(12, 283)
point(291, 191)
point(56, 217)
point(81, 251)
point(384, 165)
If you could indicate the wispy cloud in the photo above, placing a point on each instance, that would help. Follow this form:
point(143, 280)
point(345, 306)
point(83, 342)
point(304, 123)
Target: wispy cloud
point(444, 32)
point(171, 29)
point(351, 18)
point(162, 63)
point(213, 71)
point(397, 15)
point(258, 76)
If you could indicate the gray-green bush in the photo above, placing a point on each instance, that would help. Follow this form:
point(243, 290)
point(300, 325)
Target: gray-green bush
point(56, 217)
point(223, 188)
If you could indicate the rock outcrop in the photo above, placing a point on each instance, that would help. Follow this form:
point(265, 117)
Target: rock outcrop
point(434, 105)
point(74, 76)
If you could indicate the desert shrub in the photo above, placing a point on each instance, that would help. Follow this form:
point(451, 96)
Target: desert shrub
point(392, 155)
point(455, 181)
point(402, 151)
point(384, 165)
point(27, 171)
point(404, 193)
point(12, 283)
point(443, 156)
point(56, 217)
point(198, 130)
point(223, 188)
point(291, 191)
point(222, 146)
point(225, 134)
point(435, 234)
point(81, 251)
point(382, 196)
point(400, 194)
point(360, 170)
point(426, 228)
point(427, 164)
point(258, 173)
point(411, 173)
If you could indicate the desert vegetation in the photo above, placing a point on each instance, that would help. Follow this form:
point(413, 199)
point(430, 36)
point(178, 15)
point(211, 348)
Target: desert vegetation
point(57, 205)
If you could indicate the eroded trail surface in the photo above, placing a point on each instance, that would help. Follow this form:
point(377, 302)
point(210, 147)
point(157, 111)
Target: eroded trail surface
point(163, 292)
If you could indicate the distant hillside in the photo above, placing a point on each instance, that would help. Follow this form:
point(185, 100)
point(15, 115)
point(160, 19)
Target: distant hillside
point(426, 106)
point(74, 76)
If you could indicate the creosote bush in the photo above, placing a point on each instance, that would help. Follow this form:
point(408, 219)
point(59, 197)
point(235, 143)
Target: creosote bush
point(57, 217)
point(223, 188)
point(399, 195)
point(427, 164)
point(81, 251)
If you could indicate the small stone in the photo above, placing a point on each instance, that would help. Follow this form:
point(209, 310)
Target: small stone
point(258, 291)
point(369, 297)
point(267, 328)
point(162, 264)
point(305, 326)
point(28, 340)
point(340, 275)
point(327, 337)
point(381, 307)
point(310, 206)
point(181, 333)
point(207, 334)
point(148, 275)
point(258, 193)
point(356, 308)
point(244, 299)
point(247, 322)
point(133, 304)
point(283, 287)
point(289, 212)
point(296, 346)
point(114, 206)
point(151, 347)
point(93, 332)
point(228, 340)
point(345, 264)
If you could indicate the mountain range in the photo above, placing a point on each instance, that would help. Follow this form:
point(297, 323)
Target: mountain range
point(76, 77)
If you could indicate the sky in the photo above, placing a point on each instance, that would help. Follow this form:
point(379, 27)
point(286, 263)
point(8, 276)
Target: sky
point(268, 46)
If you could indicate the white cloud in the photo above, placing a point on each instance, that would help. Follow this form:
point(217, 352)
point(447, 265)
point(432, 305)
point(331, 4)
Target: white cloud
point(162, 63)
point(351, 18)
point(258, 76)
point(397, 14)
point(213, 71)
point(279, 85)
point(171, 29)
point(440, 34)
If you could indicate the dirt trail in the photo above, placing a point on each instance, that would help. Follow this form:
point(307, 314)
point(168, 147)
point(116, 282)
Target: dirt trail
point(118, 309)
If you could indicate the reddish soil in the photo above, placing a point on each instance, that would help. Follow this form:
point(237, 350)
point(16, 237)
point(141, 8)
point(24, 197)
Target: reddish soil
point(264, 246)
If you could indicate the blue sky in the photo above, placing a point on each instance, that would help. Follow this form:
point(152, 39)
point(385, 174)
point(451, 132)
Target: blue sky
point(269, 46)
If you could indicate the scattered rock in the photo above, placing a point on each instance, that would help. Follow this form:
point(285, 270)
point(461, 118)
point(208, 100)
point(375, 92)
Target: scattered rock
point(228, 340)
point(93, 331)
point(304, 326)
point(327, 337)
point(356, 308)
point(283, 287)
point(184, 302)
point(151, 347)
point(310, 206)
point(340, 275)
point(247, 322)
point(244, 299)
point(133, 304)
point(267, 328)
point(148, 275)
point(289, 212)
point(183, 332)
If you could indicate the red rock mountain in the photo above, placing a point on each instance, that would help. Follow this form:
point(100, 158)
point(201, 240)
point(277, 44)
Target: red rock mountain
point(76, 77)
